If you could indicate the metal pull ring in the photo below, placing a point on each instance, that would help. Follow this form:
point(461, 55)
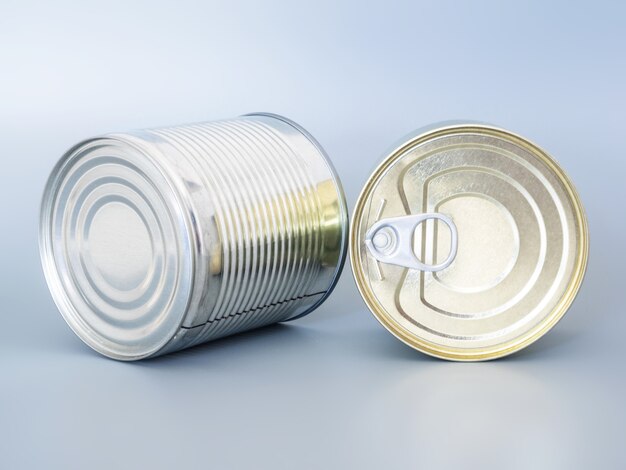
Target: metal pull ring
point(390, 241)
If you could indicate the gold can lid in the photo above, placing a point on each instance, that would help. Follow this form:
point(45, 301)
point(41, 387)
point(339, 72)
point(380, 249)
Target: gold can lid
point(468, 242)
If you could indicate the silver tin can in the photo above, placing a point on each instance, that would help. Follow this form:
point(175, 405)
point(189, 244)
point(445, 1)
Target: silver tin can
point(157, 240)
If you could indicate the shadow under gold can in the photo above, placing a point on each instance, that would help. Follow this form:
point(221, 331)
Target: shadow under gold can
point(157, 240)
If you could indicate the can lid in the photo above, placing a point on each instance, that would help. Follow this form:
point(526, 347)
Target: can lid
point(116, 248)
point(468, 242)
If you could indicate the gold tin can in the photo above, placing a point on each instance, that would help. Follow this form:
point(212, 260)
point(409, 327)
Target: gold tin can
point(468, 242)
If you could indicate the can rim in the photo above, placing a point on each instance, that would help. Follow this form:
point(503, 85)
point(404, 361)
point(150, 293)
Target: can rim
point(68, 311)
point(478, 354)
point(343, 207)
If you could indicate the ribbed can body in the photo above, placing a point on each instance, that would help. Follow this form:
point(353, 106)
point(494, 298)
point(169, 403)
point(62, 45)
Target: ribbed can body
point(245, 220)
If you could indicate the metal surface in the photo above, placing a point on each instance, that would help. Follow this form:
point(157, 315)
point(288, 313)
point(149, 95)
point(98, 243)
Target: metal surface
point(390, 241)
point(522, 242)
point(157, 240)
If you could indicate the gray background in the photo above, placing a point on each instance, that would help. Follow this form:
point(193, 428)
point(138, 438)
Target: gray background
point(333, 390)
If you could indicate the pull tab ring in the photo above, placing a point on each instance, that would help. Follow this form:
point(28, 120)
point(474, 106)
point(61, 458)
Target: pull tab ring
point(390, 241)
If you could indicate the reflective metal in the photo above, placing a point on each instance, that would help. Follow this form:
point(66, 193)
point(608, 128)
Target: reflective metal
point(157, 240)
point(521, 251)
point(391, 241)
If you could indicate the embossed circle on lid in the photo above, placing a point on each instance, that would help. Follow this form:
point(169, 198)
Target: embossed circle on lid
point(115, 246)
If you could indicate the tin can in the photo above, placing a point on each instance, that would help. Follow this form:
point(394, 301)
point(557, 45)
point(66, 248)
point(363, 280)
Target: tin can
point(468, 242)
point(156, 240)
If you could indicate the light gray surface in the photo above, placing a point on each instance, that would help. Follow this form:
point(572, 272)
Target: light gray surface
point(335, 389)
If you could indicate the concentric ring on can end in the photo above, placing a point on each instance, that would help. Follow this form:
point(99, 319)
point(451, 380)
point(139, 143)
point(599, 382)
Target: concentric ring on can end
point(518, 205)
point(115, 246)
